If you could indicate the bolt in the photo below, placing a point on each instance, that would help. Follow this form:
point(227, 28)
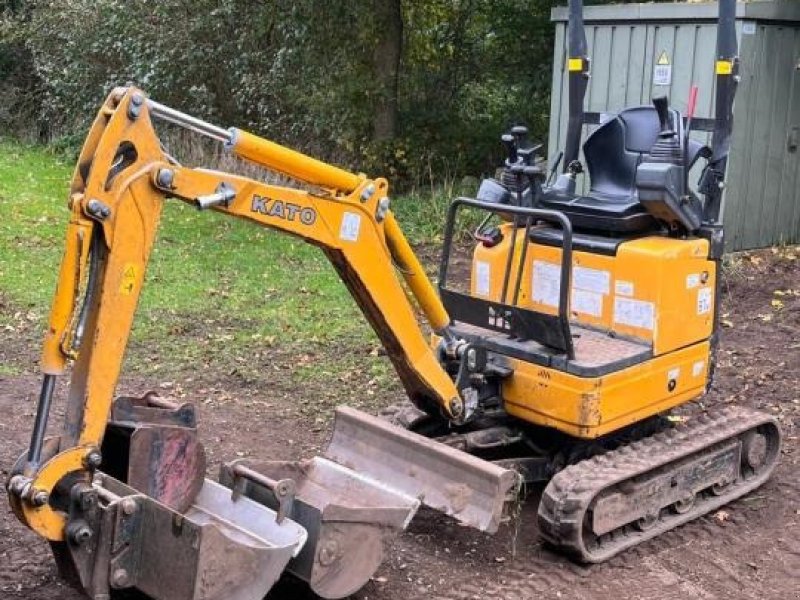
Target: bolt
point(128, 506)
point(472, 359)
point(17, 483)
point(367, 193)
point(137, 99)
point(165, 178)
point(382, 209)
point(40, 498)
point(79, 533)
point(93, 459)
point(97, 209)
point(119, 578)
point(456, 407)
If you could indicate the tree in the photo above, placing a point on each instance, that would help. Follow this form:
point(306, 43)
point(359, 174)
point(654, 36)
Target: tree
point(386, 61)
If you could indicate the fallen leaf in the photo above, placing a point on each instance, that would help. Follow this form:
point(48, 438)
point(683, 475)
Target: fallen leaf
point(726, 323)
point(777, 304)
point(722, 516)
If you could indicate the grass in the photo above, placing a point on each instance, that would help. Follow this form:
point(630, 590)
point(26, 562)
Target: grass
point(214, 287)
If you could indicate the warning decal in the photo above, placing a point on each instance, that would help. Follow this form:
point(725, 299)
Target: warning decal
point(129, 274)
point(662, 72)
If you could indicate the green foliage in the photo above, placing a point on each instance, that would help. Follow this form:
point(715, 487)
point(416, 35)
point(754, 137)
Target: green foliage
point(302, 72)
point(298, 71)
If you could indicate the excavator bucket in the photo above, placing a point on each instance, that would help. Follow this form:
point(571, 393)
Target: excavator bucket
point(219, 549)
point(473, 491)
point(350, 518)
point(365, 490)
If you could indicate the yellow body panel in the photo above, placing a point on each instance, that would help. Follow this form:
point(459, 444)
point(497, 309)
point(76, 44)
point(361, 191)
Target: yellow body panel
point(656, 290)
point(589, 407)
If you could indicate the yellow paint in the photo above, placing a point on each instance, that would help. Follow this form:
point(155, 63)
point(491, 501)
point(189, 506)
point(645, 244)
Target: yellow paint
point(293, 163)
point(575, 64)
point(724, 67)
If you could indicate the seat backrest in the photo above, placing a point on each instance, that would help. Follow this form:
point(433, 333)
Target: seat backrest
point(615, 149)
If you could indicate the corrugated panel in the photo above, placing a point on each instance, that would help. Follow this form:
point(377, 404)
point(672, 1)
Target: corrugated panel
point(763, 172)
point(762, 205)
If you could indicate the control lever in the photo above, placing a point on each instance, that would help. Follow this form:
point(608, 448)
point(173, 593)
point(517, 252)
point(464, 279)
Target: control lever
point(510, 143)
point(662, 109)
point(520, 133)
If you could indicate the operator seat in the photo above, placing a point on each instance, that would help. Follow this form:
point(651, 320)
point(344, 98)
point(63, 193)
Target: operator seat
point(612, 153)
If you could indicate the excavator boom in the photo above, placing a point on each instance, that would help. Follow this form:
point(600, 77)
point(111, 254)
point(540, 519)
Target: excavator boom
point(141, 456)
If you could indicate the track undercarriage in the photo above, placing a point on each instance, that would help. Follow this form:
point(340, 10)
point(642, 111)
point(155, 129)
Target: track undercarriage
point(606, 495)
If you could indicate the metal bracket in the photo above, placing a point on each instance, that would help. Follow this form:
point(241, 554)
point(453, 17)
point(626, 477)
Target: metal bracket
point(284, 490)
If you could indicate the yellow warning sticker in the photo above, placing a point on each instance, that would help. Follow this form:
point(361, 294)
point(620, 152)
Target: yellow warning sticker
point(575, 64)
point(724, 67)
point(663, 58)
point(129, 276)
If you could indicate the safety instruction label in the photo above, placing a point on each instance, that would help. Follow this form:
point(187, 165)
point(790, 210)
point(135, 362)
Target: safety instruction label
point(483, 278)
point(636, 313)
point(662, 71)
point(692, 281)
point(592, 280)
point(351, 224)
point(546, 283)
point(590, 303)
point(697, 368)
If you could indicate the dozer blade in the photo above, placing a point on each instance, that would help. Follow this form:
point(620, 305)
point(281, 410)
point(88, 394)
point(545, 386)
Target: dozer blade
point(473, 491)
point(219, 549)
point(349, 517)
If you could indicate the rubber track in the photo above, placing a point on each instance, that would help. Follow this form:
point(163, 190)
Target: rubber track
point(570, 493)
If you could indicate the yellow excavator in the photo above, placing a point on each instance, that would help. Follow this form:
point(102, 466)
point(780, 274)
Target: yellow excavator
point(586, 317)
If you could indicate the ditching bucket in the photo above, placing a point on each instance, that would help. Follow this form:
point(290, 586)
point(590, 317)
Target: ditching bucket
point(350, 518)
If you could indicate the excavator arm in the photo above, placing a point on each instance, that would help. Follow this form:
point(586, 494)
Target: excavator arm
point(118, 189)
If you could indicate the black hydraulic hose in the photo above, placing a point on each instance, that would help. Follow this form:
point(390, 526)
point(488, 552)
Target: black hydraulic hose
point(40, 424)
point(91, 284)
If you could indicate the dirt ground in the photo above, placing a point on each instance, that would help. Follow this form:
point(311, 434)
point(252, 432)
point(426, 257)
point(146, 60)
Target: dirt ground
point(751, 549)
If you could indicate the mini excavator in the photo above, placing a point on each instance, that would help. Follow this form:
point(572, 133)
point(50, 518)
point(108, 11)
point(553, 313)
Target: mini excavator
point(586, 318)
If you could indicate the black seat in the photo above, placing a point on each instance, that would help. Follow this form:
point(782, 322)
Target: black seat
point(612, 153)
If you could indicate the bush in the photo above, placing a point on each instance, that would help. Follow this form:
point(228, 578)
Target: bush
point(300, 72)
